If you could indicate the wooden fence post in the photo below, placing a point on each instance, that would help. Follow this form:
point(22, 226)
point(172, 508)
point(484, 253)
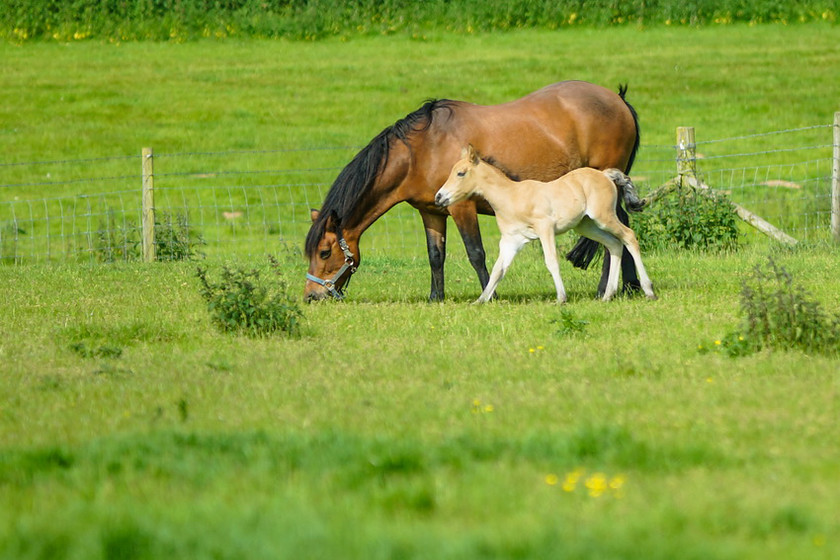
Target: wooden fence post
point(687, 177)
point(835, 181)
point(686, 155)
point(148, 216)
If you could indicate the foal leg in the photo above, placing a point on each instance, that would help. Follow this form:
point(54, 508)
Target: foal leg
point(588, 228)
point(508, 247)
point(631, 243)
point(627, 237)
point(436, 244)
point(550, 257)
point(628, 272)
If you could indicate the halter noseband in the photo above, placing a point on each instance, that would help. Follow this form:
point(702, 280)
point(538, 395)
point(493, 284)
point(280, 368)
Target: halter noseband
point(349, 263)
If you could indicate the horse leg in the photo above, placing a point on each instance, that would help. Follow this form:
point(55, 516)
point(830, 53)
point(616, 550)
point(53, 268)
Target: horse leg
point(435, 225)
point(631, 244)
point(550, 257)
point(589, 228)
point(466, 218)
point(630, 281)
point(509, 246)
point(627, 237)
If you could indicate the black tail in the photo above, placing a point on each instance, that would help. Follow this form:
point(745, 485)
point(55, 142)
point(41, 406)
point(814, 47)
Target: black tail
point(622, 90)
point(585, 250)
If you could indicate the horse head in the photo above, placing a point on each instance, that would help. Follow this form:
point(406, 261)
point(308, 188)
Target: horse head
point(331, 262)
point(462, 181)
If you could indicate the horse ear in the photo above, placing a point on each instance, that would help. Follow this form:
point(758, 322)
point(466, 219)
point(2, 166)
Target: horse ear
point(314, 214)
point(333, 224)
point(472, 154)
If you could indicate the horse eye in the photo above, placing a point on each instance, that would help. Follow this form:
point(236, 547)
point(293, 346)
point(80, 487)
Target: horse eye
point(461, 173)
point(325, 254)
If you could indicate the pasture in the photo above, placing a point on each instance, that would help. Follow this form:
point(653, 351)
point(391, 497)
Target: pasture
point(395, 428)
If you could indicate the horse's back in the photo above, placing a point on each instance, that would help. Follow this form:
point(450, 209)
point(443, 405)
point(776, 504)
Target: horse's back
point(551, 131)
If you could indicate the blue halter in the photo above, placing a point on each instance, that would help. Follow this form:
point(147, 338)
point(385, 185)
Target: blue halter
point(349, 264)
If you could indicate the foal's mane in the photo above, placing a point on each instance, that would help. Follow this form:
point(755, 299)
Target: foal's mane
point(358, 176)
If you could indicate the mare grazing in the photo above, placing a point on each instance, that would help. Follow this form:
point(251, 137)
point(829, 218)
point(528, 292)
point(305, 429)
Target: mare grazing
point(541, 136)
point(583, 199)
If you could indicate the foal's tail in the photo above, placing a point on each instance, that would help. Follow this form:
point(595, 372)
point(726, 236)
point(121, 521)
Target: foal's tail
point(626, 190)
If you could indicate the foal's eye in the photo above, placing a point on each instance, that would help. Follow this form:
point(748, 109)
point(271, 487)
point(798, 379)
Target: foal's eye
point(325, 254)
point(461, 173)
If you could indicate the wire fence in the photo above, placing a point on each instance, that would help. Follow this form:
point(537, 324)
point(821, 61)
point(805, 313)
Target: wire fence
point(240, 203)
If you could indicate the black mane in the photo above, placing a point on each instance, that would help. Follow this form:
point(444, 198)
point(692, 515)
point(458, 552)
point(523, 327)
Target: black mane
point(358, 176)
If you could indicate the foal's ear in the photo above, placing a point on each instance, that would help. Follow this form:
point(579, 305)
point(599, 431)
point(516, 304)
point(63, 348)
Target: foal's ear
point(472, 154)
point(313, 214)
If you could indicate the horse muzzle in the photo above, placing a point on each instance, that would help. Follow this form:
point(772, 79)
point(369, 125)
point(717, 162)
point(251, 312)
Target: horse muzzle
point(329, 285)
point(442, 199)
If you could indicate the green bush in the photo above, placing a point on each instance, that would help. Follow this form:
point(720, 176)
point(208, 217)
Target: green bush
point(245, 302)
point(114, 242)
point(688, 219)
point(122, 20)
point(779, 315)
point(175, 238)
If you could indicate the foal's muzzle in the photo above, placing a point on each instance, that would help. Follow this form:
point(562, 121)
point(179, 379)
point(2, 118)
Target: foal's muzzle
point(442, 199)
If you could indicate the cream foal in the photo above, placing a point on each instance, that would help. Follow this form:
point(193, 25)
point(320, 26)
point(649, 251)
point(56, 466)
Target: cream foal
point(584, 200)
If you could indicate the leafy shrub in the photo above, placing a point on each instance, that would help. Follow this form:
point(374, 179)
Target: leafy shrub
point(779, 315)
point(175, 238)
point(688, 219)
point(569, 325)
point(244, 301)
point(9, 234)
point(114, 242)
point(177, 20)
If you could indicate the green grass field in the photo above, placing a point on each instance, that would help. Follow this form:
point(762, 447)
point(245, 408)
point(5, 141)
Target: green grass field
point(394, 428)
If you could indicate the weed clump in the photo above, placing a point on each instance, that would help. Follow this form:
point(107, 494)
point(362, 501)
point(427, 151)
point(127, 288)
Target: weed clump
point(175, 239)
point(777, 314)
point(569, 325)
point(246, 302)
point(688, 219)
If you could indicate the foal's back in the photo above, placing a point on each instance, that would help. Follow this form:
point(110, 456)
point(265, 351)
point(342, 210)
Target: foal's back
point(565, 201)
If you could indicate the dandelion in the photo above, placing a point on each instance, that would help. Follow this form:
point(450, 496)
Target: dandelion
point(551, 479)
point(717, 342)
point(531, 350)
point(488, 408)
point(570, 483)
point(617, 484)
point(597, 485)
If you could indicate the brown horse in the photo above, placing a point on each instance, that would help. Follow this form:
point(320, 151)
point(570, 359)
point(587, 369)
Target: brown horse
point(540, 136)
point(583, 199)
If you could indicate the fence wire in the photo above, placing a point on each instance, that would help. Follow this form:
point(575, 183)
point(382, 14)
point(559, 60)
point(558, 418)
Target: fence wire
point(240, 203)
